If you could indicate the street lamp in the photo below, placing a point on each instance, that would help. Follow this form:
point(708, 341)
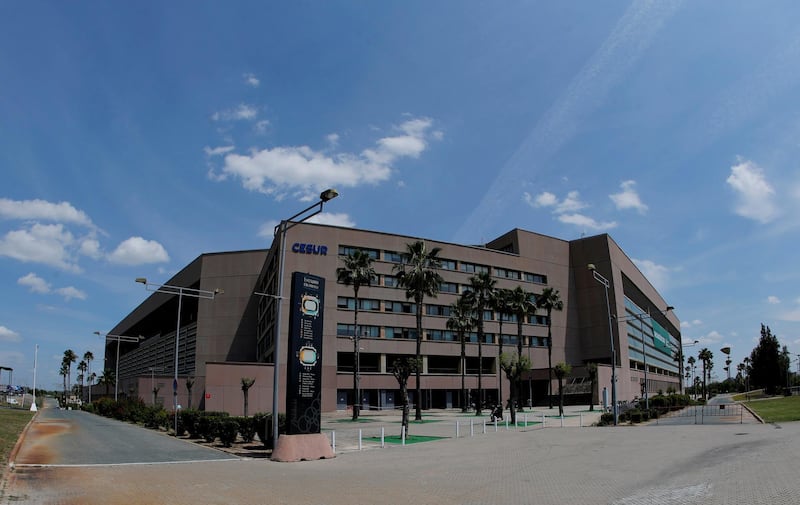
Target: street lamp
point(639, 316)
point(118, 338)
point(602, 280)
point(181, 292)
point(282, 228)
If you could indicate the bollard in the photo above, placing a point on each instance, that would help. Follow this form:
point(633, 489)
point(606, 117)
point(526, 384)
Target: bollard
point(580, 421)
point(403, 435)
point(562, 420)
point(359, 440)
point(471, 429)
point(333, 441)
point(383, 439)
point(457, 427)
point(544, 420)
point(484, 426)
point(506, 420)
point(526, 419)
point(495, 425)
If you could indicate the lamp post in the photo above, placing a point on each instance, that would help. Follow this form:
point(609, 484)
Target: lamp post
point(602, 280)
point(282, 228)
point(35, 359)
point(118, 338)
point(181, 292)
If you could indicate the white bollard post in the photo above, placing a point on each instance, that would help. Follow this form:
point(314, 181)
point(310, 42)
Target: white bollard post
point(403, 435)
point(383, 438)
point(333, 441)
point(562, 420)
point(471, 428)
point(526, 419)
point(457, 429)
point(544, 421)
point(581, 421)
point(495, 425)
point(484, 426)
point(506, 420)
point(359, 440)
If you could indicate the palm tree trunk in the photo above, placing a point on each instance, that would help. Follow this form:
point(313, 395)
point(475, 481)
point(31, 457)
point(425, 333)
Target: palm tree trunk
point(463, 374)
point(479, 400)
point(518, 378)
point(549, 362)
point(418, 388)
point(499, 372)
point(356, 362)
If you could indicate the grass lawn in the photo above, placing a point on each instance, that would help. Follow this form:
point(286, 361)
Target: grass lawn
point(12, 421)
point(778, 410)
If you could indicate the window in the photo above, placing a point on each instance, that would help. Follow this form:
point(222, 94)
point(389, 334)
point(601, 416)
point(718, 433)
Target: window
point(447, 264)
point(537, 319)
point(437, 310)
point(444, 364)
point(348, 330)
point(508, 274)
point(392, 256)
point(400, 307)
point(448, 287)
point(344, 302)
point(402, 333)
point(472, 268)
point(441, 335)
point(390, 281)
point(537, 278)
point(347, 250)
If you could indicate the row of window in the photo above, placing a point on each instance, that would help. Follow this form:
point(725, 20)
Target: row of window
point(448, 264)
point(374, 305)
point(372, 363)
point(403, 333)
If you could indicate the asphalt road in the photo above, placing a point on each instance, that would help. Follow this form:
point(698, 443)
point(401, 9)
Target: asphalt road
point(72, 437)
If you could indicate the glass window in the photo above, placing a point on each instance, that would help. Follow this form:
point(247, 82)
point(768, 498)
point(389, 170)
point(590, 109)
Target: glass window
point(537, 278)
point(390, 281)
point(347, 250)
point(392, 256)
point(448, 287)
point(448, 264)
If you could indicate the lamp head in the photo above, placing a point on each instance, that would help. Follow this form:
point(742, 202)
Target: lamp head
point(328, 194)
point(141, 280)
point(219, 291)
point(669, 307)
point(591, 267)
point(98, 333)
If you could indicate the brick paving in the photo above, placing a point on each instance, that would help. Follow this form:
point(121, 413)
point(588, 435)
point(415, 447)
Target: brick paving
point(625, 465)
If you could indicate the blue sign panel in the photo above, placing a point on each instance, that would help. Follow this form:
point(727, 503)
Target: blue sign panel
point(304, 362)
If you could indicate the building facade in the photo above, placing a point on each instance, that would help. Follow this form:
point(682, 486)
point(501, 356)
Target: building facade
point(235, 335)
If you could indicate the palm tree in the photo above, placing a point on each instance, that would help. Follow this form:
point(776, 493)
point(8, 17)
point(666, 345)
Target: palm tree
point(247, 383)
point(514, 365)
point(561, 370)
point(82, 367)
point(417, 274)
point(479, 296)
point(461, 321)
point(550, 300)
point(521, 305)
point(108, 379)
point(69, 359)
point(357, 271)
point(705, 356)
point(92, 377)
point(591, 369)
point(690, 363)
point(88, 357)
point(500, 304)
point(63, 371)
point(402, 368)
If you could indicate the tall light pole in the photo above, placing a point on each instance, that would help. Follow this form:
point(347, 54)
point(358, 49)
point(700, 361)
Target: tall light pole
point(118, 338)
point(35, 358)
point(602, 280)
point(181, 292)
point(280, 231)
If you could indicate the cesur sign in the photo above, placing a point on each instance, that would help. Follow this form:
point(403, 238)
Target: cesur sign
point(320, 250)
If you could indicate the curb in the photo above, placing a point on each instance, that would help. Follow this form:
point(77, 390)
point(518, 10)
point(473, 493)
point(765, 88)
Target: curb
point(13, 456)
point(752, 412)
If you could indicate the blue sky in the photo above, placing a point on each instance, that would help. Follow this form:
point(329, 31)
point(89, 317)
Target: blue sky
point(135, 136)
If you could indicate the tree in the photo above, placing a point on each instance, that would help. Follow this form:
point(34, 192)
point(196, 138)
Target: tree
point(561, 370)
point(63, 371)
point(156, 389)
point(247, 383)
point(461, 321)
point(766, 371)
point(82, 367)
point(92, 377)
point(500, 304)
point(521, 304)
point(591, 369)
point(691, 363)
point(402, 368)
point(357, 271)
point(189, 386)
point(107, 379)
point(514, 365)
point(705, 357)
point(549, 300)
point(417, 274)
point(88, 357)
point(69, 359)
point(479, 296)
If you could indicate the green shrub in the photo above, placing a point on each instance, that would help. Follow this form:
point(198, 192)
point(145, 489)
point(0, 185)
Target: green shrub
point(247, 428)
point(606, 419)
point(187, 421)
point(263, 426)
point(634, 415)
point(226, 429)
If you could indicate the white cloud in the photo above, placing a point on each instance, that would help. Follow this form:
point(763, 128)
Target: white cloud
point(138, 251)
point(628, 198)
point(251, 80)
point(754, 193)
point(545, 199)
point(217, 151)
point(691, 324)
point(572, 203)
point(241, 112)
point(12, 357)
point(658, 275)
point(711, 338)
point(586, 222)
point(333, 219)
point(91, 248)
point(773, 300)
point(35, 283)
point(332, 139)
point(272, 171)
point(7, 335)
point(267, 229)
point(41, 243)
point(62, 212)
point(70, 292)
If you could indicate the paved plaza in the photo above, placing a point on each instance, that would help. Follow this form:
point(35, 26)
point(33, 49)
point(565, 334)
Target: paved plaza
point(747, 463)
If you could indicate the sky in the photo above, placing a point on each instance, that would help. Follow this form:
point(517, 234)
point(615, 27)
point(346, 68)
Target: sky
point(135, 136)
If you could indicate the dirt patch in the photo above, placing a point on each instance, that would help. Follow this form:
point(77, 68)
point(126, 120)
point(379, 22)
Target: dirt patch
point(42, 452)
